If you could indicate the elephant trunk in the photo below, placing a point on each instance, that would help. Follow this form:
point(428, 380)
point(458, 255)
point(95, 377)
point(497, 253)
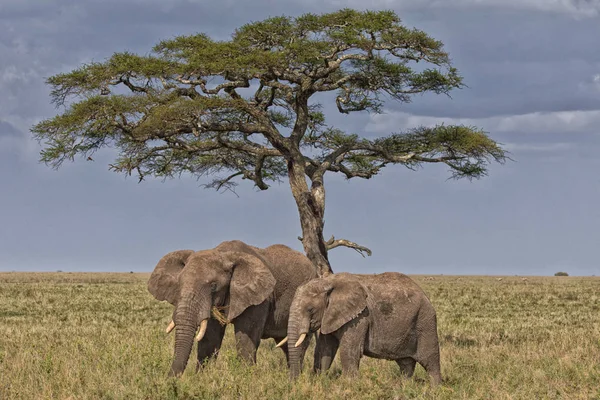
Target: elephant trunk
point(296, 328)
point(188, 315)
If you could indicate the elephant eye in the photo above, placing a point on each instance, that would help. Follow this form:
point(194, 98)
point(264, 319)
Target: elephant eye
point(213, 287)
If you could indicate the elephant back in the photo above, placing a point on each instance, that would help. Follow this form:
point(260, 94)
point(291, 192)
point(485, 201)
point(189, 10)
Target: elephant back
point(395, 288)
point(288, 264)
point(290, 269)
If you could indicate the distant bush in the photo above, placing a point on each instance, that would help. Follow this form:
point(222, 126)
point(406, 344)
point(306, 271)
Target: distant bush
point(560, 273)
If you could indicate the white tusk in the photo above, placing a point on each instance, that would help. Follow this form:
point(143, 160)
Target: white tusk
point(283, 341)
point(203, 326)
point(171, 326)
point(300, 340)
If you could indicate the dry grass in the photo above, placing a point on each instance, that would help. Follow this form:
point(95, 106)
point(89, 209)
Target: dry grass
point(101, 336)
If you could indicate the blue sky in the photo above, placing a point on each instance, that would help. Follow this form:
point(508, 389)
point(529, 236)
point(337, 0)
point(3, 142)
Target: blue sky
point(533, 73)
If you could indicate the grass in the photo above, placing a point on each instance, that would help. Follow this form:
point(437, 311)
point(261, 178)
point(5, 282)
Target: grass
point(101, 336)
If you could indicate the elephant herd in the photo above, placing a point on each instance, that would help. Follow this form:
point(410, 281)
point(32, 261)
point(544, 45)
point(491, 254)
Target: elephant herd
point(275, 293)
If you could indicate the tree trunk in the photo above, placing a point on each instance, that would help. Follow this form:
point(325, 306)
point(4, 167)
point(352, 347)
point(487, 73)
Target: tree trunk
point(311, 207)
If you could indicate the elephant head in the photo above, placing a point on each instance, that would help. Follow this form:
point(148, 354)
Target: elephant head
point(324, 304)
point(194, 282)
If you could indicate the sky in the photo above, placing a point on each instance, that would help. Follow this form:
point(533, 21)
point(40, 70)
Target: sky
point(532, 68)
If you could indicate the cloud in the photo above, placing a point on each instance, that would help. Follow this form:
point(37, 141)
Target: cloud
point(8, 130)
point(574, 8)
point(15, 145)
point(596, 81)
point(538, 148)
point(536, 122)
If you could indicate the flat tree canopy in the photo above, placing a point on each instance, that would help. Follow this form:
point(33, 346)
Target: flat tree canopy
point(248, 108)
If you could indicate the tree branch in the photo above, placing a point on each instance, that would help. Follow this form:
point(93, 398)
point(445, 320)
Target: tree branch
point(332, 243)
point(355, 174)
point(260, 162)
point(288, 91)
point(302, 118)
point(134, 88)
point(333, 65)
point(231, 85)
point(226, 181)
point(248, 147)
point(255, 176)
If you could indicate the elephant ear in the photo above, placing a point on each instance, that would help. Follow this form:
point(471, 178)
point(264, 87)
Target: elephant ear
point(251, 283)
point(163, 283)
point(346, 300)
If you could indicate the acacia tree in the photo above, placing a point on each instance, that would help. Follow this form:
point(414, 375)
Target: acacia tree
point(251, 108)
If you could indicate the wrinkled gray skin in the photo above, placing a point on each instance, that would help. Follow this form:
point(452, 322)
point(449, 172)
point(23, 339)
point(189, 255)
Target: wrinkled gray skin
point(382, 316)
point(256, 285)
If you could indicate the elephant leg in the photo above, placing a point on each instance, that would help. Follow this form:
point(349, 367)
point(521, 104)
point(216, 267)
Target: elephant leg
point(350, 354)
point(210, 344)
point(249, 327)
point(431, 363)
point(407, 366)
point(428, 349)
point(327, 346)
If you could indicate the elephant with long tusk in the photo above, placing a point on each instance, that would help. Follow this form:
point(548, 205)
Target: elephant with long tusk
point(255, 287)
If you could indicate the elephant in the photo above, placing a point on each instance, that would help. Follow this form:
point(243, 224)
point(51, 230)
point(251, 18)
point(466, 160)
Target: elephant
point(384, 316)
point(255, 286)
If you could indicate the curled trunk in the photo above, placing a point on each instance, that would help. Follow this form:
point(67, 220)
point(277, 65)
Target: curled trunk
point(188, 315)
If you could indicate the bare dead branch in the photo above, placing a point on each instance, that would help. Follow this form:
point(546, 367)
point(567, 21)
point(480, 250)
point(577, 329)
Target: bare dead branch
point(333, 243)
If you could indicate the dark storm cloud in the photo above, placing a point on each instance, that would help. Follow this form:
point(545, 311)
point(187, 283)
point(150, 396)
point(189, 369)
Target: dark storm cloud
point(534, 83)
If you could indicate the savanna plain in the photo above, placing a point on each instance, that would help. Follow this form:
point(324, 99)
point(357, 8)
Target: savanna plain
point(102, 336)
